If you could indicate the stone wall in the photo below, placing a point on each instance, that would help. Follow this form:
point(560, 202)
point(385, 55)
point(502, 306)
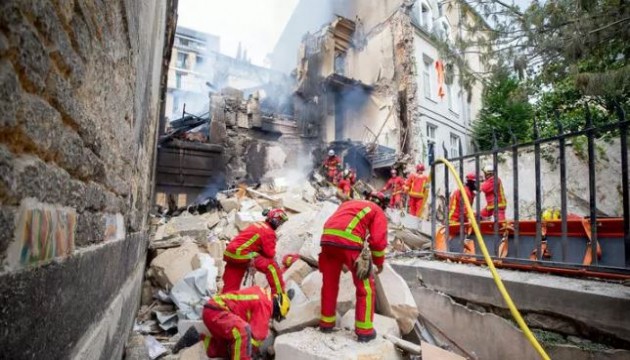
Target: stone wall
point(79, 107)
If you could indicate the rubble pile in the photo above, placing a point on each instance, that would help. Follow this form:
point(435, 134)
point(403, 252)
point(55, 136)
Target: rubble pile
point(186, 265)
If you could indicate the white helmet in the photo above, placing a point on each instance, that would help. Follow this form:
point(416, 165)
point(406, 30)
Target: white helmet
point(488, 169)
point(331, 152)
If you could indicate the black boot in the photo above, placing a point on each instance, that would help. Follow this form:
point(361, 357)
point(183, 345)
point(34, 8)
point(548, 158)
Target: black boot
point(326, 330)
point(366, 338)
point(190, 338)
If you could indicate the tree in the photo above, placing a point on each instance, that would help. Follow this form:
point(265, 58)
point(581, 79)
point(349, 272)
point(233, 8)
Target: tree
point(505, 112)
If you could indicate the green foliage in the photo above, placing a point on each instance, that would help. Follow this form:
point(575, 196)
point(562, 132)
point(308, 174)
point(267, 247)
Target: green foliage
point(505, 112)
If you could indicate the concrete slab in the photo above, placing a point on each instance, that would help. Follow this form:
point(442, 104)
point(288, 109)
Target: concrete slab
point(173, 264)
point(297, 271)
point(432, 352)
point(299, 317)
point(382, 324)
point(596, 305)
point(395, 300)
point(346, 299)
point(485, 335)
point(311, 344)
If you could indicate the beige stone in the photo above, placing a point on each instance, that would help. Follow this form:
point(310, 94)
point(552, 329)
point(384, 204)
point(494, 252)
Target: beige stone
point(173, 264)
point(311, 344)
point(346, 299)
point(244, 219)
point(195, 352)
point(432, 352)
point(297, 271)
point(382, 324)
point(395, 299)
point(229, 204)
point(299, 317)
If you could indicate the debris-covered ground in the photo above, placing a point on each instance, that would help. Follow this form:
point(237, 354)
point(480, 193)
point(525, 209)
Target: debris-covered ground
point(185, 267)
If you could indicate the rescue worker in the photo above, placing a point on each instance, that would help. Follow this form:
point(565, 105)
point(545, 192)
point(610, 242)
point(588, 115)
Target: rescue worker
point(396, 184)
point(357, 227)
point(331, 165)
point(238, 322)
point(344, 185)
point(487, 187)
point(416, 186)
point(455, 203)
point(256, 245)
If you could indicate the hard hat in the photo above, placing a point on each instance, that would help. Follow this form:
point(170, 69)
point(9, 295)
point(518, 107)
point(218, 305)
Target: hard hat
point(394, 172)
point(331, 152)
point(377, 198)
point(275, 217)
point(346, 173)
point(281, 305)
point(471, 177)
point(420, 167)
point(488, 169)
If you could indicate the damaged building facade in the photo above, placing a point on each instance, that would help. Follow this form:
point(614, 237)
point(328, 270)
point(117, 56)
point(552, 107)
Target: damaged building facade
point(374, 76)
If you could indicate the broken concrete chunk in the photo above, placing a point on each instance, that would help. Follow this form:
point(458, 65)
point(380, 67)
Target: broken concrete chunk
point(311, 344)
point(294, 203)
point(229, 204)
point(299, 317)
point(298, 298)
point(244, 219)
point(312, 287)
point(311, 248)
point(432, 352)
point(195, 352)
point(412, 239)
point(297, 271)
point(173, 264)
point(395, 299)
point(382, 324)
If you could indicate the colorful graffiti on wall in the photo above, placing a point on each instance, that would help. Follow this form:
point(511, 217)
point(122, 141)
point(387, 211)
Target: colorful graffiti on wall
point(43, 232)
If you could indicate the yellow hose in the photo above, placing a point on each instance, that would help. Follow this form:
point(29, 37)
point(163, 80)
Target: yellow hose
point(497, 279)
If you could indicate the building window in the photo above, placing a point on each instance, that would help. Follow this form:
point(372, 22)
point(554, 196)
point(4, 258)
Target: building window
point(425, 16)
point(431, 130)
point(178, 80)
point(176, 104)
point(454, 146)
point(449, 96)
point(426, 77)
point(184, 42)
point(182, 60)
point(199, 61)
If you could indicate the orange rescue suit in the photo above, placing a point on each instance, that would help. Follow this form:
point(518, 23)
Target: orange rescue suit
point(487, 187)
point(455, 203)
point(416, 186)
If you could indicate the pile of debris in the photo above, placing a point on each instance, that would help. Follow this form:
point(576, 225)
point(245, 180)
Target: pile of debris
point(186, 265)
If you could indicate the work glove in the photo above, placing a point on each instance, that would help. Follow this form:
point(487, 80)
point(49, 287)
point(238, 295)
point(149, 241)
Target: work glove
point(363, 264)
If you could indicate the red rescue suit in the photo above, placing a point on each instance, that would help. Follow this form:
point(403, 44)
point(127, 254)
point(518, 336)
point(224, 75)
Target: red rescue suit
point(487, 187)
point(236, 321)
point(345, 186)
point(396, 184)
point(416, 185)
point(354, 222)
point(455, 204)
point(289, 259)
point(256, 244)
point(332, 167)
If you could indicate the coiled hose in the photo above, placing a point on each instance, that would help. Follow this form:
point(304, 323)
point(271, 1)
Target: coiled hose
point(495, 275)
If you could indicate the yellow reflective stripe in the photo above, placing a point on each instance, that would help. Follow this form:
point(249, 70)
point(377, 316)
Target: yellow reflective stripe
point(237, 344)
point(378, 253)
point(367, 324)
point(249, 315)
point(276, 280)
point(502, 201)
point(453, 206)
point(251, 255)
point(256, 343)
point(237, 297)
point(206, 342)
point(344, 234)
point(418, 194)
point(247, 244)
point(357, 218)
point(329, 319)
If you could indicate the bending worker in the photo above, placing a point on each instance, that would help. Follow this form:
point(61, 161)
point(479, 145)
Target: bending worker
point(396, 184)
point(456, 203)
point(238, 323)
point(256, 245)
point(416, 186)
point(355, 224)
point(344, 185)
point(487, 187)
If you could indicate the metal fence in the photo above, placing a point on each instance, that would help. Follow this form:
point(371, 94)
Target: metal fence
point(618, 248)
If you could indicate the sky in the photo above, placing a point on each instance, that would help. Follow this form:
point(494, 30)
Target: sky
point(257, 24)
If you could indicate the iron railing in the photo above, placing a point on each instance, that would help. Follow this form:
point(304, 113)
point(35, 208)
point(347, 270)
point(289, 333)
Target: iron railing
point(516, 256)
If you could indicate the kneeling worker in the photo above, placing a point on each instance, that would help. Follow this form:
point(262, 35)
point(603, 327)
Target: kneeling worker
point(238, 322)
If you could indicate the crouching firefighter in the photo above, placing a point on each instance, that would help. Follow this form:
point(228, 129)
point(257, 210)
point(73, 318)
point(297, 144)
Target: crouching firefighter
point(255, 246)
point(354, 236)
point(238, 322)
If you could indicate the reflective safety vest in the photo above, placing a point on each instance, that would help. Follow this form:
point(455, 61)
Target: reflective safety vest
point(351, 225)
point(487, 187)
point(257, 239)
point(417, 184)
point(252, 304)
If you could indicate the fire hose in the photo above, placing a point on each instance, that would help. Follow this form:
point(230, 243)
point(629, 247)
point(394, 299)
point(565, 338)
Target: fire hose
point(495, 275)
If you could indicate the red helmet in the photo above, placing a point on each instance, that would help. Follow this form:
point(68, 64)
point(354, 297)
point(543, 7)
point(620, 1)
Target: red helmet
point(275, 217)
point(377, 198)
point(471, 177)
point(420, 167)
